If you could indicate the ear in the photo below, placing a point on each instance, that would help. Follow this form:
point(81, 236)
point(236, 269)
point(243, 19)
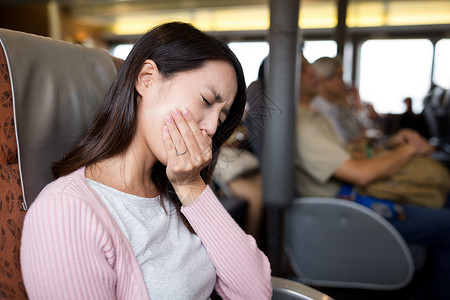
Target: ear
point(149, 71)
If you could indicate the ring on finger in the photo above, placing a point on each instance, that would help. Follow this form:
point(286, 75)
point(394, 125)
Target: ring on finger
point(181, 153)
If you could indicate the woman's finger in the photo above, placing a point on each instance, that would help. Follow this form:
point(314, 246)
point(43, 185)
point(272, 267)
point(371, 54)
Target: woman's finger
point(170, 147)
point(180, 146)
point(193, 137)
point(181, 169)
point(201, 137)
point(185, 132)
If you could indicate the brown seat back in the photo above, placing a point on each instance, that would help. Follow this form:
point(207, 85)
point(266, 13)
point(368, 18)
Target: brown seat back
point(11, 198)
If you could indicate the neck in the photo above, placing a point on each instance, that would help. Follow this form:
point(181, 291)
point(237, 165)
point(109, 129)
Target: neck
point(305, 101)
point(333, 98)
point(325, 95)
point(129, 172)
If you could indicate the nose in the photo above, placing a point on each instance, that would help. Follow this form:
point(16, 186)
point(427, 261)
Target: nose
point(209, 123)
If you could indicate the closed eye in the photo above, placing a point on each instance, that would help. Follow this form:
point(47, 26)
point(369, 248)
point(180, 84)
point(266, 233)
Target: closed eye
point(206, 101)
point(222, 119)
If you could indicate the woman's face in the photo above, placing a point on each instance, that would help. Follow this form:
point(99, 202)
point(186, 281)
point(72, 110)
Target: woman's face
point(207, 93)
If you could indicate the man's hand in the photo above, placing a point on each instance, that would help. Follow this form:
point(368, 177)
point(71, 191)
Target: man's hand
point(411, 137)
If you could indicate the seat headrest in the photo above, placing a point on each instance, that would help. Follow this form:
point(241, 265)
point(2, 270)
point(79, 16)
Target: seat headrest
point(57, 88)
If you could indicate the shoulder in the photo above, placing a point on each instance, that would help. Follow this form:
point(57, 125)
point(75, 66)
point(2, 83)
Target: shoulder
point(72, 184)
point(257, 85)
point(254, 92)
point(315, 136)
point(67, 197)
point(309, 121)
point(318, 102)
point(323, 105)
point(68, 215)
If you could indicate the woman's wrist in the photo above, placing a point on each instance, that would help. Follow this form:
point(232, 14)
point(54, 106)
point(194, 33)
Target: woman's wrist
point(188, 193)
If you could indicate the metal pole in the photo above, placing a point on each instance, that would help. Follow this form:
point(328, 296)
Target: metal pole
point(341, 28)
point(279, 143)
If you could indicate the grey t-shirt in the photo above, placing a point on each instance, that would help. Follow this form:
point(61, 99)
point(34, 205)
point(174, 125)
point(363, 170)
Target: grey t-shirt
point(173, 261)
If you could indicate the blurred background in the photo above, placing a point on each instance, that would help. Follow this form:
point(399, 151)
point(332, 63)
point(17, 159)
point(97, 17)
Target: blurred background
point(411, 38)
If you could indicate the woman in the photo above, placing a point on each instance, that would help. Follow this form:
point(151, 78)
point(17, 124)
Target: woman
point(111, 226)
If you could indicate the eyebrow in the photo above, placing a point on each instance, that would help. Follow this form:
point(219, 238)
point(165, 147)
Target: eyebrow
point(218, 98)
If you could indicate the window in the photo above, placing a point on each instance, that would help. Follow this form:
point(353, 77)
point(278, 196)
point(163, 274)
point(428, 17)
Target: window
point(391, 70)
point(313, 50)
point(250, 55)
point(441, 74)
point(122, 50)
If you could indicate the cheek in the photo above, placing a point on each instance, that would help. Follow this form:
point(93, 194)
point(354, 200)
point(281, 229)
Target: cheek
point(152, 129)
point(158, 148)
point(198, 114)
point(199, 118)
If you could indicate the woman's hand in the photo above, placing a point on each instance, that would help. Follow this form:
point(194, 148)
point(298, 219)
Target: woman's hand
point(188, 152)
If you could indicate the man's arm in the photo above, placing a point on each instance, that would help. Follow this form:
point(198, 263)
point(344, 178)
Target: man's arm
point(409, 136)
point(363, 171)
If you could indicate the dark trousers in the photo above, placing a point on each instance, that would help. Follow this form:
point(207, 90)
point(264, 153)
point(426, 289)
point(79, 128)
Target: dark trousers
point(430, 227)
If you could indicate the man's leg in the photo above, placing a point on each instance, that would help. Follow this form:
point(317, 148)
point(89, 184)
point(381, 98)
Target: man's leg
point(430, 227)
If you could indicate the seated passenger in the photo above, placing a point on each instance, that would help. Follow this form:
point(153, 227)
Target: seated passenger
point(409, 119)
point(238, 168)
point(256, 112)
point(130, 215)
point(364, 111)
point(331, 100)
point(323, 164)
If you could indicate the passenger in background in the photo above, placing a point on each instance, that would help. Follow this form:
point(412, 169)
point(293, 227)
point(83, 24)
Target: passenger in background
point(364, 111)
point(409, 119)
point(323, 164)
point(332, 100)
point(256, 111)
point(238, 169)
point(130, 215)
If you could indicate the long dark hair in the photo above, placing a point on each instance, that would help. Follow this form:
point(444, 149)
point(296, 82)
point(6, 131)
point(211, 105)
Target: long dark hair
point(174, 47)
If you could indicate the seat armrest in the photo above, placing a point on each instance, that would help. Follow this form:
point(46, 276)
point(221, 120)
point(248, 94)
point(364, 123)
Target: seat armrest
point(285, 289)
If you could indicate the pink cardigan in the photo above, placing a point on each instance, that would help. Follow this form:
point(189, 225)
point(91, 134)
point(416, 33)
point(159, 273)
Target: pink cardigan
point(73, 249)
